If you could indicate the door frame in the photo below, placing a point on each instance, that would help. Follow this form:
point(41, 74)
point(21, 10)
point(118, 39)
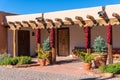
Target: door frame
point(28, 44)
point(68, 40)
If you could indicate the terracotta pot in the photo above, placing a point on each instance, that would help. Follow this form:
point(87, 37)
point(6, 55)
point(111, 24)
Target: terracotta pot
point(100, 60)
point(42, 62)
point(87, 66)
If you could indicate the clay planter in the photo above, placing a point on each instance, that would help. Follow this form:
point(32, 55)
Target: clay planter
point(100, 60)
point(87, 66)
point(42, 62)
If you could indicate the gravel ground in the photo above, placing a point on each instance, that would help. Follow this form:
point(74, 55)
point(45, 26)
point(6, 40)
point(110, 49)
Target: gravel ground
point(20, 74)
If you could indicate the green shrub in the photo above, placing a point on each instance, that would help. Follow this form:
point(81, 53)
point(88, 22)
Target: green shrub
point(9, 61)
point(111, 68)
point(16, 60)
point(99, 45)
point(43, 54)
point(87, 58)
point(24, 60)
point(4, 56)
point(82, 55)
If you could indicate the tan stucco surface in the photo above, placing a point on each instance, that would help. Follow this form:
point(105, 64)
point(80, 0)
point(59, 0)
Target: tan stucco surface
point(3, 35)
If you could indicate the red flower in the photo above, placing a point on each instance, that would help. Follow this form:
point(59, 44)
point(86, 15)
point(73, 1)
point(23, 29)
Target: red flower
point(87, 37)
point(109, 34)
point(52, 37)
point(38, 35)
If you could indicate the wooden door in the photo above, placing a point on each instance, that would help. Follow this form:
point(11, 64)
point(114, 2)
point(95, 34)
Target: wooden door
point(63, 42)
point(23, 43)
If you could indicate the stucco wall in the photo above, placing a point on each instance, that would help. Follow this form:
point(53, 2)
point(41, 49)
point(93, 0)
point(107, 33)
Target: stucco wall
point(98, 31)
point(33, 47)
point(3, 35)
point(32, 41)
point(10, 42)
point(76, 37)
point(44, 35)
point(116, 36)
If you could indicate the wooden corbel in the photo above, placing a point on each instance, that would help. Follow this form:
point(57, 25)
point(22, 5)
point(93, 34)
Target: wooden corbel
point(59, 20)
point(117, 16)
point(92, 19)
point(80, 19)
point(50, 21)
point(18, 24)
point(102, 14)
point(33, 24)
point(26, 22)
point(12, 25)
point(69, 20)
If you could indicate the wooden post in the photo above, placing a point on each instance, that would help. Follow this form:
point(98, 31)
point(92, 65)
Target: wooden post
point(53, 55)
point(110, 58)
point(38, 47)
point(14, 43)
point(109, 42)
point(52, 44)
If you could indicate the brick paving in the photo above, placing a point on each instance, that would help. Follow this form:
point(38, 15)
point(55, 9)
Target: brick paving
point(66, 68)
point(64, 65)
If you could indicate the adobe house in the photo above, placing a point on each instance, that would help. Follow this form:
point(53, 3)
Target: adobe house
point(71, 28)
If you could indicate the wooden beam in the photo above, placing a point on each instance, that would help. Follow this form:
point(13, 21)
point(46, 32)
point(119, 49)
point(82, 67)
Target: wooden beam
point(78, 18)
point(14, 43)
point(31, 21)
point(33, 24)
point(18, 24)
point(117, 16)
point(26, 22)
point(69, 20)
point(92, 19)
point(12, 25)
point(50, 21)
point(59, 21)
point(102, 14)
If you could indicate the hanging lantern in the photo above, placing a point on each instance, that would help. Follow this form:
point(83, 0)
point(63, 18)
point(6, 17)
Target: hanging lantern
point(52, 37)
point(109, 34)
point(87, 37)
point(38, 35)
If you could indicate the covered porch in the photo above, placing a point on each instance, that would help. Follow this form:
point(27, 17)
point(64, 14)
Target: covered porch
point(69, 30)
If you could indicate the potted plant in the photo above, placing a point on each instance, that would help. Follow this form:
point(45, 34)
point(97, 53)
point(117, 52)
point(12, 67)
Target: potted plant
point(86, 58)
point(87, 62)
point(100, 48)
point(42, 56)
point(46, 47)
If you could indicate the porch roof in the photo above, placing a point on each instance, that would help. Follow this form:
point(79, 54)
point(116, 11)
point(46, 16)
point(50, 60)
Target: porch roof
point(95, 16)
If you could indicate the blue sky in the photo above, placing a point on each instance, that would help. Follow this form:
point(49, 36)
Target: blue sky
point(38, 6)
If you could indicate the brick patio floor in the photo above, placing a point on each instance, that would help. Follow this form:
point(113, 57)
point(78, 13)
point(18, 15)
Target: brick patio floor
point(64, 65)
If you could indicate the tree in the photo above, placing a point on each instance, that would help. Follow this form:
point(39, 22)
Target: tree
point(46, 44)
point(99, 45)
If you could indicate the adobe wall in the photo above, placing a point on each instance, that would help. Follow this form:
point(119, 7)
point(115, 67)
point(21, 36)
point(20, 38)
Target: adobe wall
point(3, 35)
point(77, 36)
